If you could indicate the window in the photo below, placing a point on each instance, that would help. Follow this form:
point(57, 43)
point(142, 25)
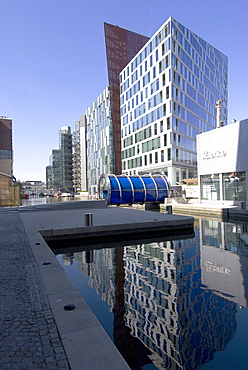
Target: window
point(162, 155)
point(169, 154)
point(156, 157)
point(168, 123)
point(155, 129)
point(150, 60)
point(161, 126)
point(154, 72)
point(163, 79)
point(145, 158)
point(234, 186)
point(210, 187)
point(165, 140)
point(160, 67)
point(167, 92)
point(146, 92)
point(150, 158)
point(164, 109)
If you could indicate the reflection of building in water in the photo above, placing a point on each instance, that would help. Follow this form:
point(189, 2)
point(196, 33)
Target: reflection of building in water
point(168, 309)
point(68, 259)
point(224, 259)
point(99, 265)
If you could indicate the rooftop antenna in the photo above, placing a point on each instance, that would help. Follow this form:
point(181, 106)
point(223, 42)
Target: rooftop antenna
point(218, 107)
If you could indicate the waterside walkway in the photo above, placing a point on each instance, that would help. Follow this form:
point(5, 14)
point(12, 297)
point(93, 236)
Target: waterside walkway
point(220, 211)
point(36, 331)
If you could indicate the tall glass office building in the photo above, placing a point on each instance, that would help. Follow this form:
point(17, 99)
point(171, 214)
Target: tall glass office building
point(65, 147)
point(53, 171)
point(99, 140)
point(168, 95)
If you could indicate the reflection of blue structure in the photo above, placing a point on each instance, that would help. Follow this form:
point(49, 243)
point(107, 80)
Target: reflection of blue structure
point(133, 189)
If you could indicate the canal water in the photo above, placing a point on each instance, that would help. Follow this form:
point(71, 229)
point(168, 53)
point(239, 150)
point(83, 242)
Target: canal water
point(170, 302)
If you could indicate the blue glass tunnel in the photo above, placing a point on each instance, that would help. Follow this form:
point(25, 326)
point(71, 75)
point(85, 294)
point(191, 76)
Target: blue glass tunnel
point(134, 189)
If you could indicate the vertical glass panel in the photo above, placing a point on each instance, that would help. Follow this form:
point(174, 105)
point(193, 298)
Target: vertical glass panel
point(234, 186)
point(210, 187)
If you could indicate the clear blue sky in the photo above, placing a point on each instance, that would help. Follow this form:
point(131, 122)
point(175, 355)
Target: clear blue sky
point(53, 61)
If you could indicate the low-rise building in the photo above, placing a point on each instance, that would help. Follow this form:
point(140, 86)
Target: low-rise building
point(222, 156)
point(9, 194)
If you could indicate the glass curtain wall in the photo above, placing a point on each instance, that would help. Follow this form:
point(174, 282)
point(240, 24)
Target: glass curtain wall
point(234, 186)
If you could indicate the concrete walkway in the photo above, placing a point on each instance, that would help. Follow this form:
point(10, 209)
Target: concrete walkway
point(36, 330)
point(29, 338)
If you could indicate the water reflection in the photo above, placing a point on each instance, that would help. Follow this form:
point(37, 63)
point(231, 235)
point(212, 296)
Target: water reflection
point(174, 302)
point(36, 200)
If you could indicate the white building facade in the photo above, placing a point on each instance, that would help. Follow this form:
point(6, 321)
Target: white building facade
point(222, 156)
point(168, 96)
point(99, 141)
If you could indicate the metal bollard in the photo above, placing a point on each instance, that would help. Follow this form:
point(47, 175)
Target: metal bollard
point(169, 210)
point(88, 219)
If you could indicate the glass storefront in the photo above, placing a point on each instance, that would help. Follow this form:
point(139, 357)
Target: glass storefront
point(210, 187)
point(234, 186)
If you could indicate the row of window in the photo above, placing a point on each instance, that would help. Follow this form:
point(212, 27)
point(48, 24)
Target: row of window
point(214, 59)
point(5, 154)
point(156, 114)
point(233, 186)
point(154, 86)
point(198, 79)
point(147, 159)
point(162, 155)
point(155, 143)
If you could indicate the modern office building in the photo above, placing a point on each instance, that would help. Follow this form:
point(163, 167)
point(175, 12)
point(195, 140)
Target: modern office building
point(99, 140)
point(65, 147)
point(168, 95)
point(83, 161)
point(76, 157)
point(79, 168)
point(104, 139)
point(222, 164)
point(53, 171)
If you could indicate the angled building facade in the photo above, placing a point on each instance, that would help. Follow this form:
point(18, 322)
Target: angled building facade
point(168, 96)
point(121, 46)
point(103, 130)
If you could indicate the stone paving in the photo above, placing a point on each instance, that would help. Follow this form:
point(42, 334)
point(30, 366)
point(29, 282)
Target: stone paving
point(29, 338)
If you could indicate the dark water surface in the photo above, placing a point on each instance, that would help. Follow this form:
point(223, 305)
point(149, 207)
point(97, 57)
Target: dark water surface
point(173, 303)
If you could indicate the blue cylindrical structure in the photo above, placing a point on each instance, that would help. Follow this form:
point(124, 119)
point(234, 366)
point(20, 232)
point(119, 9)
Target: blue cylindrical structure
point(135, 189)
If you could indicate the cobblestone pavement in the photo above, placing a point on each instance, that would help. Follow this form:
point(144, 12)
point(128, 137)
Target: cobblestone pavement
point(29, 338)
